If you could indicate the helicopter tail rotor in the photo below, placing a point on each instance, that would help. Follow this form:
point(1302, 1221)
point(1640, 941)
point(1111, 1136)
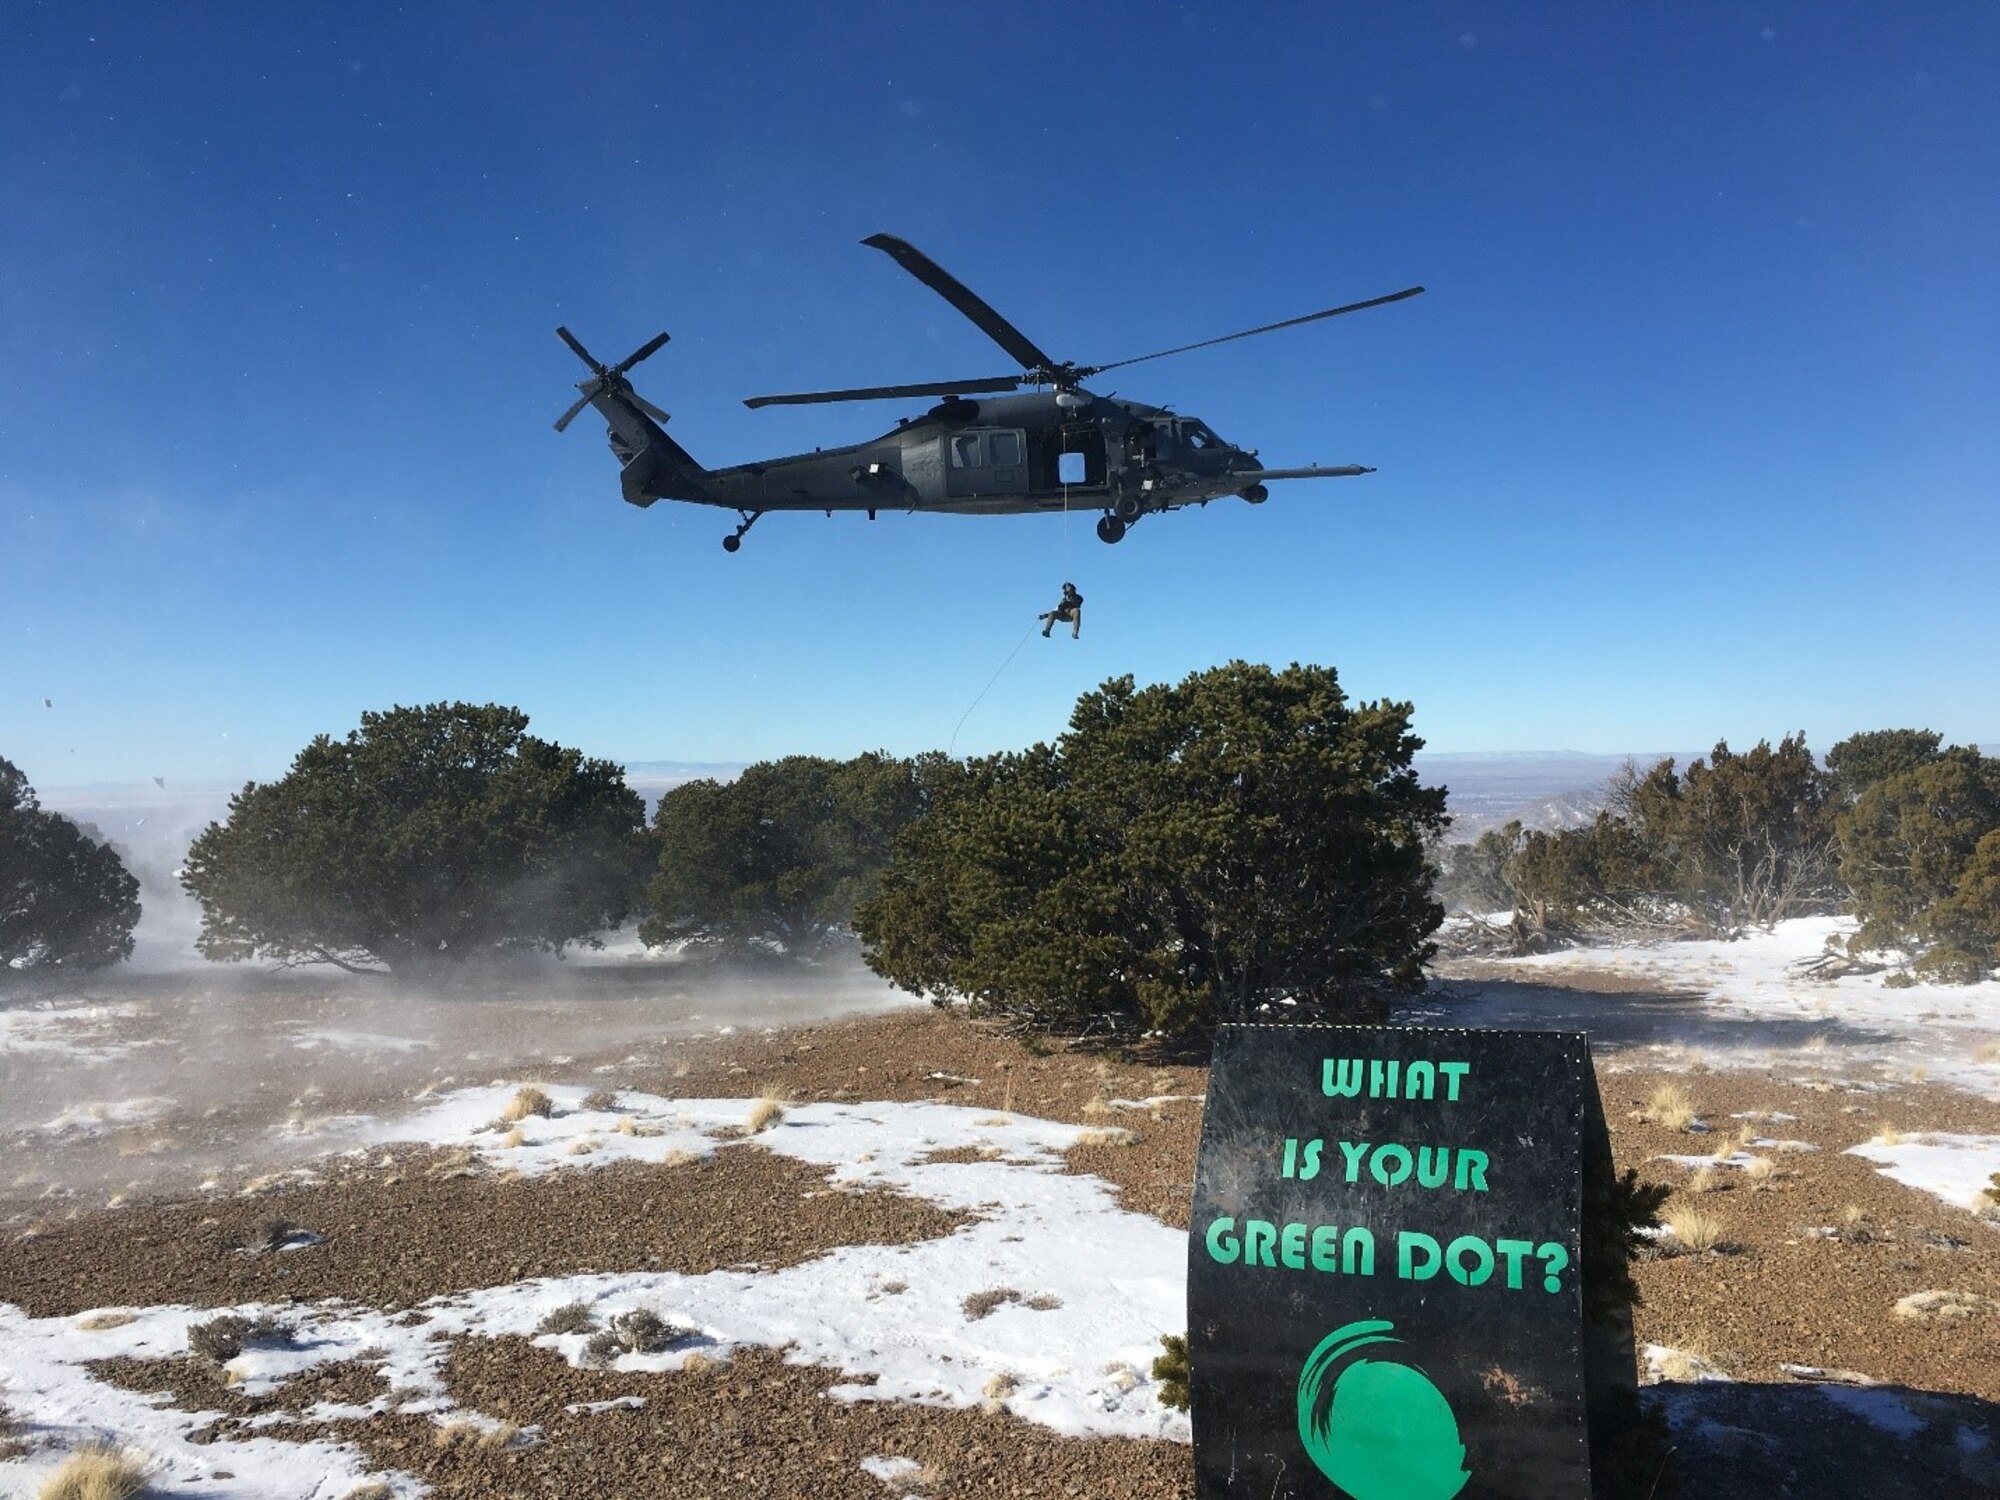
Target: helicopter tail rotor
point(609, 379)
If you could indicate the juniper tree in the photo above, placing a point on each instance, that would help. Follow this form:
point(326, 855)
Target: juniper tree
point(1183, 855)
point(66, 899)
point(426, 836)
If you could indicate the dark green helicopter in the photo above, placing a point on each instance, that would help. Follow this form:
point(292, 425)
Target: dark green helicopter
point(1057, 448)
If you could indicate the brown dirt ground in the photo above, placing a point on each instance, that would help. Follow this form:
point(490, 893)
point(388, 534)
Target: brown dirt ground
point(1774, 1294)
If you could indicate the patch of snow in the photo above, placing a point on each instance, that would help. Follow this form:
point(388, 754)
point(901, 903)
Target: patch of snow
point(889, 1470)
point(95, 1119)
point(1115, 1282)
point(357, 1041)
point(616, 1403)
point(1957, 1168)
point(1879, 1408)
point(1686, 1367)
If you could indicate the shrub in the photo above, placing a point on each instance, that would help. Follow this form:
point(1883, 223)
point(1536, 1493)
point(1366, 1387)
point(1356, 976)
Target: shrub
point(222, 1338)
point(1171, 1371)
point(571, 1317)
point(781, 855)
point(1183, 855)
point(66, 899)
point(600, 1101)
point(429, 835)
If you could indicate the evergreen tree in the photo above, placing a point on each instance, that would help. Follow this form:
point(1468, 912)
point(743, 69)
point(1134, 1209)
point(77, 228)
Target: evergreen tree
point(780, 855)
point(1861, 760)
point(1475, 874)
point(66, 900)
point(1184, 855)
point(1741, 839)
point(1964, 928)
point(1908, 843)
point(427, 836)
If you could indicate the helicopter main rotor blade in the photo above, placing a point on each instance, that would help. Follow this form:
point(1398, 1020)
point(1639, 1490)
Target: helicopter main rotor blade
point(962, 297)
point(1332, 312)
point(563, 421)
point(887, 392)
point(578, 350)
point(646, 350)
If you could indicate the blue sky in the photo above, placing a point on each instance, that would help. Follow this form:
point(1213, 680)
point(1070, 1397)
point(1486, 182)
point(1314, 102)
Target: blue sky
point(1692, 436)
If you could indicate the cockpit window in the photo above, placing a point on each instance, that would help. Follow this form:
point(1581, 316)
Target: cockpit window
point(1197, 437)
point(965, 450)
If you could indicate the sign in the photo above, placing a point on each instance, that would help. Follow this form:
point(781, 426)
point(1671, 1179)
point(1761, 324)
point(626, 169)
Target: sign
point(1384, 1296)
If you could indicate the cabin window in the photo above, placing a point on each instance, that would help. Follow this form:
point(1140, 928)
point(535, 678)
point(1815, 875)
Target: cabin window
point(1003, 449)
point(965, 451)
point(1164, 445)
point(1070, 468)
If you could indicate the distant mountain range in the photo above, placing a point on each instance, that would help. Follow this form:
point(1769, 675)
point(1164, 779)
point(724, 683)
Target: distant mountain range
point(1542, 788)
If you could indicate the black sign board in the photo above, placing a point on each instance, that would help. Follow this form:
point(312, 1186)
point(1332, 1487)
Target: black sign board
point(1384, 1297)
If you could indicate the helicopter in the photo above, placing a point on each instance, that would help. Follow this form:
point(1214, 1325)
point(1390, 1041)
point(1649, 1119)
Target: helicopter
point(1055, 448)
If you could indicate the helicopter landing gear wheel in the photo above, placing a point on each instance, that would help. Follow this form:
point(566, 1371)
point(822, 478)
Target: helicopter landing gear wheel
point(1110, 530)
point(731, 543)
point(734, 541)
point(1128, 508)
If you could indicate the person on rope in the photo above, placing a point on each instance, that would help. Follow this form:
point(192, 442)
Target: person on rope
point(1068, 610)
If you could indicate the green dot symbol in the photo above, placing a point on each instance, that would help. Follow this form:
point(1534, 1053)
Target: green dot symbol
point(1378, 1429)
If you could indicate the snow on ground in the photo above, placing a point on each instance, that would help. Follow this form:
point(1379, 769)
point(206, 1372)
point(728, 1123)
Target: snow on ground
point(358, 1041)
point(81, 1032)
point(1754, 984)
point(1096, 1287)
point(1961, 1169)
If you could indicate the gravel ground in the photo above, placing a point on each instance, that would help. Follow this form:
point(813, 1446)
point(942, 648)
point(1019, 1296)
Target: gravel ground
point(400, 1227)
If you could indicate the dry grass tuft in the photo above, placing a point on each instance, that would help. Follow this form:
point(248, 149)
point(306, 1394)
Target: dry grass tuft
point(1887, 1135)
point(679, 1158)
point(600, 1101)
point(979, 1304)
point(1987, 1052)
point(459, 1434)
point(1944, 1307)
point(1098, 1109)
point(626, 1125)
point(1760, 1171)
point(97, 1471)
point(370, 1489)
point(1045, 1302)
point(454, 1163)
point(1001, 1386)
point(1704, 1180)
point(528, 1100)
point(571, 1317)
point(1119, 1137)
point(1669, 1106)
point(97, 1322)
point(1693, 1230)
point(764, 1113)
point(499, 1437)
point(513, 1139)
point(583, 1146)
point(697, 1363)
point(1120, 1377)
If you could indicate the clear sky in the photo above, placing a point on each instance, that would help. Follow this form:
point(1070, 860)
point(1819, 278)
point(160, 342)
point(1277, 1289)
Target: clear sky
point(1694, 434)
